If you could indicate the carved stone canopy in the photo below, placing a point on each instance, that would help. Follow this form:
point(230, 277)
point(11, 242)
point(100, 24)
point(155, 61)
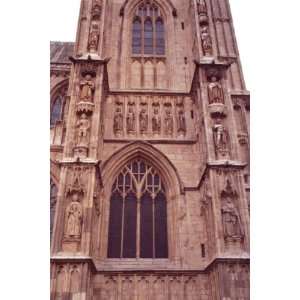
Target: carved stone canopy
point(96, 11)
point(85, 108)
point(88, 69)
point(217, 110)
point(77, 186)
point(75, 189)
point(229, 192)
point(213, 72)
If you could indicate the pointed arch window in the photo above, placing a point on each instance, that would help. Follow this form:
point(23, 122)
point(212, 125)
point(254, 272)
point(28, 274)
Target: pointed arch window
point(56, 110)
point(148, 33)
point(138, 214)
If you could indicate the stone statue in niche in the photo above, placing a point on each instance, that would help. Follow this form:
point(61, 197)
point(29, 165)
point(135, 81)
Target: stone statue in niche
point(206, 41)
point(168, 122)
point(130, 120)
point(118, 121)
point(156, 121)
point(143, 121)
point(83, 128)
point(181, 121)
point(94, 38)
point(87, 88)
point(221, 138)
point(73, 219)
point(230, 216)
point(215, 91)
point(201, 7)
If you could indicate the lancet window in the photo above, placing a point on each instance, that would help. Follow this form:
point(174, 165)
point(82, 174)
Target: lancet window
point(57, 110)
point(138, 213)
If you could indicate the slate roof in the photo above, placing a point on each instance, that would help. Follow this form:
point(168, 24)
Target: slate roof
point(60, 52)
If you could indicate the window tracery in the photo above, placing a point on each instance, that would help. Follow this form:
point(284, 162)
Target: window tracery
point(138, 213)
point(148, 34)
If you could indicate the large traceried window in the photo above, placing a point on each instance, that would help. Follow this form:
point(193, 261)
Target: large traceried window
point(138, 214)
point(148, 34)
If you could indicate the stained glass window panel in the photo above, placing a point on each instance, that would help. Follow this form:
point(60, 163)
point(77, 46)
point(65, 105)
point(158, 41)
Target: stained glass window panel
point(115, 226)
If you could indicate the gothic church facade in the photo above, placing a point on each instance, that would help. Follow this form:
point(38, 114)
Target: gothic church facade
point(150, 154)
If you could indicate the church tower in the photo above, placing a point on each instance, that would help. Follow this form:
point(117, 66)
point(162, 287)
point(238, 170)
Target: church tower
point(150, 154)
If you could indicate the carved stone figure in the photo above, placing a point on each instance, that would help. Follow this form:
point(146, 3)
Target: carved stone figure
point(83, 127)
point(93, 40)
point(87, 89)
point(221, 138)
point(143, 121)
point(231, 220)
point(73, 220)
point(230, 215)
point(130, 121)
point(206, 41)
point(181, 121)
point(118, 121)
point(156, 121)
point(168, 122)
point(215, 91)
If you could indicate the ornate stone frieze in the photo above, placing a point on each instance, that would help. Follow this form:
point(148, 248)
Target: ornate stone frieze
point(151, 286)
point(147, 117)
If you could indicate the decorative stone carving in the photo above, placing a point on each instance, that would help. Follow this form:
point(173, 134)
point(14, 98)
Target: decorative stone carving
point(156, 122)
point(83, 129)
point(206, 41)
point(130, 120)
point(230, 215)
point(221, 139)
point(168, 122)
point(215, 91)
point(202, 12)
point(143, 121)
point(181, 122)
point(87, 88)
point(118, 121)
point(201, 7)
point(93, 40)
point(96, 10)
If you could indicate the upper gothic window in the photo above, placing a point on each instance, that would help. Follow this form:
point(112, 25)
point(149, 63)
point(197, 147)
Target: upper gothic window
point(56, 110)
point(148, 33)
point(138, 214)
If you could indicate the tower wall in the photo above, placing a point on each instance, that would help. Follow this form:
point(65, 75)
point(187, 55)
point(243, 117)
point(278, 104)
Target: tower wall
point(186, 113)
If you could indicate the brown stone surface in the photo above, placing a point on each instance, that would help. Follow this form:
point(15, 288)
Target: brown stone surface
point(186, 113)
